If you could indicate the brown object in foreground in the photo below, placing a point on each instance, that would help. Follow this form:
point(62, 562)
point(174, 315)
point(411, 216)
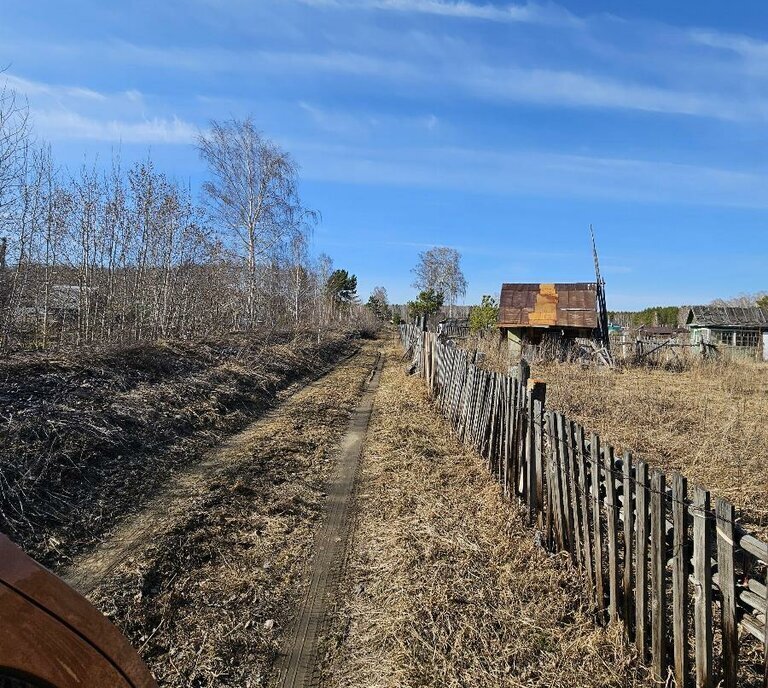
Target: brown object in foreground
point(50, 635)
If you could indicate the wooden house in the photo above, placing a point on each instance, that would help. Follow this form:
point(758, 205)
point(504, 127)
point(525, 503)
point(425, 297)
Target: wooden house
point(737, 331)
point(563, 313)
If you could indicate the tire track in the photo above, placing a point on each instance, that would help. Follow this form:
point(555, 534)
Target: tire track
point(298, 665)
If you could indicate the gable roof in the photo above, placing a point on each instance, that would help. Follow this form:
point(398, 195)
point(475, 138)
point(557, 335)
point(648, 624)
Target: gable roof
point(727, 316)
point(548, 305)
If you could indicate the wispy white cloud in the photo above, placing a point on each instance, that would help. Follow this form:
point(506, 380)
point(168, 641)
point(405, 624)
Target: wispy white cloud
point(531, 85)
point(579, 89)
point(745, 46)
point(530, 13)
point(535, 173)
point(36, 88)
point(349, 123)
point(58, 125)
point(466, 75)
point(64, 112)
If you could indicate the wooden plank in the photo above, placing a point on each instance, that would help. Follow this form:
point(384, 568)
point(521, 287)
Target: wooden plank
point(765, 637)
point(628, 484)
point(557, 483)
point(594, 448)
point(641, 559)
point(523, 373)
point(522, 444)
point(702, 573)
point(680, 578)
point(658, 577)
point(584, 501)
point(565, 505)
point(575, 507)
point(724, 514)
point(612, 540)
point(530, 461)
point(511, 458)
point(495, 421)
point(538, 395)
point(549, 521)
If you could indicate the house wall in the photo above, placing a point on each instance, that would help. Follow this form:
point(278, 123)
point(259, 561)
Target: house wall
point(519, 338)
point(738, 343)
point(514, 343)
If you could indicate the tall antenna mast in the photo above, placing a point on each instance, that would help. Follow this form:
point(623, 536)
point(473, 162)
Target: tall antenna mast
point(602, 311)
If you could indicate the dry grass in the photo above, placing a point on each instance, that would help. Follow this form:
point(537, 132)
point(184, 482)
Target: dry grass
point(445, 586)
point(88, 436)
point(708, 420)
point(208, 590)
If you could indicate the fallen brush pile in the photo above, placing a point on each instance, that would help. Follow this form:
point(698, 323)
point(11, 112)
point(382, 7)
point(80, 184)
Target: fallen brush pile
point(88, 436)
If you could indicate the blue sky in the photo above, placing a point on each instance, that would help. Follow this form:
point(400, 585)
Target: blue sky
point(500, 129)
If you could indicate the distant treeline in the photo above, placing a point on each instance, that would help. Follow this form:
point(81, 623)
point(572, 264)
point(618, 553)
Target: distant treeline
point(654, 316)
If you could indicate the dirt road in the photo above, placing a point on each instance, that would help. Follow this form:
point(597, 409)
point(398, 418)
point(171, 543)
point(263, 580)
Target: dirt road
point(207, 580)
point(298, 666)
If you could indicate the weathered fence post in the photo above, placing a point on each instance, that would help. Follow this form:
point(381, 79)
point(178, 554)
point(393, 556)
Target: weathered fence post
point(628, 512)
point(612, 518)
point(538, 413)
point(570, 454)
point(594, 448)
point(641, 559)
point(680, 578)
point(658, 576)
point(536, 392)
point(584, 502)
point(702, 571)
point(727, 584)
point(765, 635)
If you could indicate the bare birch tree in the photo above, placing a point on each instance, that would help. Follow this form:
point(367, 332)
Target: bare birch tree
point(253, 194)
point(107, 255)
point(439, 268)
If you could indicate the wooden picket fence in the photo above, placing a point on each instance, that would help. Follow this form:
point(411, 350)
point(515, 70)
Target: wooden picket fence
point(687, 581)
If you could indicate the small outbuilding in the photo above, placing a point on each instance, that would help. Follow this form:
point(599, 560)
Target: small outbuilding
point(531, 313)
point(740, 332)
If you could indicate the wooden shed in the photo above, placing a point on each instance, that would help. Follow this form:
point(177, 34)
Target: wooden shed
point(529, 313)
point(738, 331)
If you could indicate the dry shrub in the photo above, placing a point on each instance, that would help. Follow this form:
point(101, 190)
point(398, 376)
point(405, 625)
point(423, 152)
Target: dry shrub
point(445, 586)
point(89, 435)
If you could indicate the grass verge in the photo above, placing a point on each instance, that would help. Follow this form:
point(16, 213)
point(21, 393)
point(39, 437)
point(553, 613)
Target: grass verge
point(89, 436)
point(444, 585)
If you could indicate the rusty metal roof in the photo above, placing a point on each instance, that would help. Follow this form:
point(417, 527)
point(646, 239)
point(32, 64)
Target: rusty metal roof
point(548, 305)
point(727, 316)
